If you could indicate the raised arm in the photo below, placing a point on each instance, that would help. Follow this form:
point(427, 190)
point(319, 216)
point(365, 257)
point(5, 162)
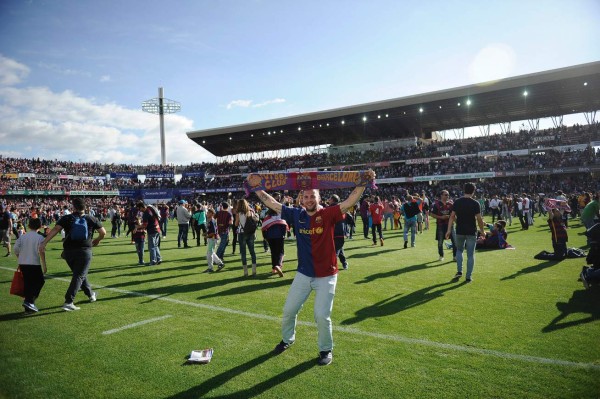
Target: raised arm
point(268, 201)
point(352, 199)
point(354, 196)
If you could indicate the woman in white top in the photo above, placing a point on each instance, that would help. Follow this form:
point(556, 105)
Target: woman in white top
point(245, 239)
point(31, 263)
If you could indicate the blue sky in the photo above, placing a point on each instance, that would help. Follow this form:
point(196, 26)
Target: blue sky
point(73, 73)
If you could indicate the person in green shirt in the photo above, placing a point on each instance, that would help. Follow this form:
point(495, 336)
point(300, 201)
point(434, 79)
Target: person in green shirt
point(590, 213)
point(199, 216)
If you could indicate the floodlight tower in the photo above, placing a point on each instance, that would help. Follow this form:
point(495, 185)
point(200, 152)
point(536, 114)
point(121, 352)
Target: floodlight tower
point(161, 106)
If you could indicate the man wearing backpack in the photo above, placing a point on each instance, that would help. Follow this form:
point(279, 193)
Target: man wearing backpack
point(79, 229)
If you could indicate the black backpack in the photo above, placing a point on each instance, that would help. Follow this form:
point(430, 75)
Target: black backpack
point(250, 225)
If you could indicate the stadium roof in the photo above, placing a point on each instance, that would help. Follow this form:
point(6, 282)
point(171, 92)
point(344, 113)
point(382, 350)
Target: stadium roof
point(553, 93)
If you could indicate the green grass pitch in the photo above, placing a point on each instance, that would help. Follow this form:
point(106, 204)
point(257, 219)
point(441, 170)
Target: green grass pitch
point(402, 329)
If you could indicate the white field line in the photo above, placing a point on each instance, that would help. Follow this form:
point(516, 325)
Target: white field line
point(355, 331)
point(139, 323)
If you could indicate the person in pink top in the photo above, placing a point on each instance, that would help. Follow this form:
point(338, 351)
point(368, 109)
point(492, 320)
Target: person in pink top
point(376, 209)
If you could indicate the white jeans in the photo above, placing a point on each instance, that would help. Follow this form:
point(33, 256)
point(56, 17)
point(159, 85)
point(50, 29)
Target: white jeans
point(302, 285)
point(211, 256)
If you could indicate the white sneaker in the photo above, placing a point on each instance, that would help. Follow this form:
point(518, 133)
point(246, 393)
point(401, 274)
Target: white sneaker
point(70, 306)
point(93, 297)
point(441, 258)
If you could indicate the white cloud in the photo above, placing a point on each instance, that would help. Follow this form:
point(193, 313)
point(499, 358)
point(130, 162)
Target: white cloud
point(37, 122)
point(248, 103)
point(64, 71)
point(105, 78)
point(239, 103)
point(269, 102)
point(11, 71)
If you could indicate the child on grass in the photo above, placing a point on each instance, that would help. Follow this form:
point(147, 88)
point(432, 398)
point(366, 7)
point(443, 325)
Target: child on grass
point(212, 239)
point(32, 264)
point(139, 237)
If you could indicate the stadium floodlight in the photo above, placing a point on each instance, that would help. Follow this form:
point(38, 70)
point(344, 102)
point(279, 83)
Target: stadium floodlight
point(364, 118)
point(421, 110)
point(468, 102)
point(525, 93)
point(459, 104)
point(161, 106)
point(343, 122)
point(585, 83)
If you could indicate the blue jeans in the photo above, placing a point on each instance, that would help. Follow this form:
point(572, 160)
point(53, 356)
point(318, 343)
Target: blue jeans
point(247, 240)
point(183, 234)
point(390, 217)
point(139, 247)
point(222, 245)
point(468, 242)
point(441, 235)
point(412, 225)
point(153, 247)
point(300, 289)
point(163, 226)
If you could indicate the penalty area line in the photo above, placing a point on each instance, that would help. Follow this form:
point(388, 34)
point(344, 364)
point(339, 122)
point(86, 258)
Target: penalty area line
point(355, 331)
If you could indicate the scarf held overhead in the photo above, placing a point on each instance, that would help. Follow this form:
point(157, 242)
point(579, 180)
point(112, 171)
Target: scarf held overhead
point(307, 181)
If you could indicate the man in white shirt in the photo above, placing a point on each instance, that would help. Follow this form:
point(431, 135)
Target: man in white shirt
point(495, 204)
point(183, 216)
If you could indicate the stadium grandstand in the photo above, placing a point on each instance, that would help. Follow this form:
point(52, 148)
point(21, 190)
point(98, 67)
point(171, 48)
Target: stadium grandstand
point(404, 140)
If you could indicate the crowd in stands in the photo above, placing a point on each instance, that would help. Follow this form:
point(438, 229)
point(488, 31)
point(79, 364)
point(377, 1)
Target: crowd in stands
point(51, 174)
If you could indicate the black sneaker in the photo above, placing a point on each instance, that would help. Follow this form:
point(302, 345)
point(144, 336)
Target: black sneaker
point(457, 276)
point(282, 346)
point(584, 280)
point(325, 358)
point(468, 279)
point(405, 244)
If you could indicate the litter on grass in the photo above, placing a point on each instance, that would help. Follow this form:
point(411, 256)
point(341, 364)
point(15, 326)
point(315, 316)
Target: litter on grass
point(200, 356)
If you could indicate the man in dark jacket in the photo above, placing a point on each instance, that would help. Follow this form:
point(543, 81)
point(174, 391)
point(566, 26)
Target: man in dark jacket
point(77, 252)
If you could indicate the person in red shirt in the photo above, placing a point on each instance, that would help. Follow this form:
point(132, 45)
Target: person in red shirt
point(376, 209)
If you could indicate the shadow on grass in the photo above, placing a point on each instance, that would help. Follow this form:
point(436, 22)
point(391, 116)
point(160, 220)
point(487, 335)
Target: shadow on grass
point(245, 289)
point(262, 282)
point(582, 301)
point(374, 253)
point(531, 269)
point(23, 315)
point(397, 272)
point(399, 303)
point(222, 379)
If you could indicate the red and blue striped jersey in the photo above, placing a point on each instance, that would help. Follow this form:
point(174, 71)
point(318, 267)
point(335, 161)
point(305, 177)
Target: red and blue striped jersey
point(314, 239)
